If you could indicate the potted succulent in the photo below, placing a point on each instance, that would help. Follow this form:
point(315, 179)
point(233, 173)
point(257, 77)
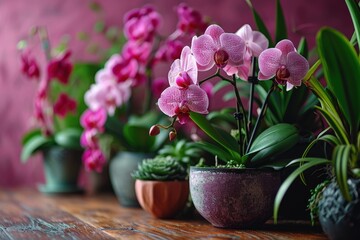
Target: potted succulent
point(58, 106)
point(239, 193)
point(161, 186)
point(337, 201)
point(120, 102)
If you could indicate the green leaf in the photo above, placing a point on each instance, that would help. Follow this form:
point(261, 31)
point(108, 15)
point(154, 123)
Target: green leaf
point(341, 156)
point(215, 150)
point(311, 162)
point(280, 32)
point(303, 48)
point(29, 135)
point(137, 138)
point(274, 140)
point(355, 16)
point(69, 138)
point(260, 23)
point(228, 142)
point(342, 72)
point(220, 85)
point(34, 144)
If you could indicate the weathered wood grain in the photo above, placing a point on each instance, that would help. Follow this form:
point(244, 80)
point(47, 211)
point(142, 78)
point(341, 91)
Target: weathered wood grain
point(27, 214)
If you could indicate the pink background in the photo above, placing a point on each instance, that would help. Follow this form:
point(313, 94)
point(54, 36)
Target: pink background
point(68, 17)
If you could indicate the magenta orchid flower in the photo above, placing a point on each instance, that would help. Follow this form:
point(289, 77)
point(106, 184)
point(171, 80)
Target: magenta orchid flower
point(94, 119)
point(190, 20)
point(255, 42)
point(29, 66)
point(60, 68)
point(217, 47)
point(93, 159)
point(183, 72)
point(64, 105)
point(283, 62)
point(89, 138)
point(179, 102)
point(141, 24)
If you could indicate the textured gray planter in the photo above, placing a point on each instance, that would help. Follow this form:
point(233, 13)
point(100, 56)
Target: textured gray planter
point(120, 169)
point(339, 218)
point(234, 198)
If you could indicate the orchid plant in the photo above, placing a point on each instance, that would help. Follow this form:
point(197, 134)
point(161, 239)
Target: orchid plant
point(58, 104)
point(235, 57)
point(121, 99)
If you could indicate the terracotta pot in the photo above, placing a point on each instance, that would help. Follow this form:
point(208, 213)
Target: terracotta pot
point(62, 168)
point(234, 198)
point(339, 218)
point(120, 169)
point(163, 199)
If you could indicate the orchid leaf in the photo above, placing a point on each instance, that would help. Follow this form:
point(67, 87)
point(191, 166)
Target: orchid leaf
point(303, 48)
point(69, 138)
point(215, 150)
point(310, 162)
point(341, 157)
point(205, 125)
point(34, 144)
point(138, 138)
point(260, 23)
point(342, 70)
point(220, 85)
point(355, 16)
point(280, 32)
point(29, 135)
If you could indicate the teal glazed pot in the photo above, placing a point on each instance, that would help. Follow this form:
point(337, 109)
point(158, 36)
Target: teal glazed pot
point(234, 198)
point(62, 167)
point(121, 167)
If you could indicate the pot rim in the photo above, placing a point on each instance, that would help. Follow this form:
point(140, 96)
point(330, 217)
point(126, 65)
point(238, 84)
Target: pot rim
point(232, 170)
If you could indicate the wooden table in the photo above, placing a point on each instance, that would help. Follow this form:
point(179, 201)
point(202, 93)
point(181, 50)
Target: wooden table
point(27, 214)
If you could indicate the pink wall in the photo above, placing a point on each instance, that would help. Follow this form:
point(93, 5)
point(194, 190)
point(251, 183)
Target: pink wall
point(71, 16)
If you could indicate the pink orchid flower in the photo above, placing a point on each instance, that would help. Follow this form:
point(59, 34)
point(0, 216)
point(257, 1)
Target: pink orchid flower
point(107, 95)
point(183, 72)
point(170, 51)
point(255, 43)
point(217, 47)
point(124, 69)
point(283, 62)
point(190, 20)
point(89, 138)
point(179, 102)
point(93, 159)
point(94, 119)
point(64, 104)
point(60, 68)
point(137, 50)
point(141, 24)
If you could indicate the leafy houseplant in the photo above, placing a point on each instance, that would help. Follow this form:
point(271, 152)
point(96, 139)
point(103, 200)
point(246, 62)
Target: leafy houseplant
point(161, 186)
point(120, 102)
point(252, 145)
point(338, 205)
point(58, 106)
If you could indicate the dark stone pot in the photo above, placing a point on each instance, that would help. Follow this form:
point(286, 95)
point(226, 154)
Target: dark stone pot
point(120, 169)
point(340, 219)
point(234, 198)
point(62, 167)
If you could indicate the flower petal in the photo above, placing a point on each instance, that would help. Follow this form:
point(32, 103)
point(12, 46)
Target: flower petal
point(214, 31)
point(298, 66)
point(234, 46)
point(188, 64)
point(169, 100)
point(197, 99)
point(261, 42)
point(245, 32)
point(174, 72)
point(203, 48)
point(269, 61)
point(285, 46)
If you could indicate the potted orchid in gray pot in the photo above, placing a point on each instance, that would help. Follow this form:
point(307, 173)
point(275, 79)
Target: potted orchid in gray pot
point(336, 202)
point(240, 192)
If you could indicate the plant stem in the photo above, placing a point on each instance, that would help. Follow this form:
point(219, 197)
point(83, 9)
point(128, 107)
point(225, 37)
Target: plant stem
point(217, 74)
point(253, 80)
point(263, 107)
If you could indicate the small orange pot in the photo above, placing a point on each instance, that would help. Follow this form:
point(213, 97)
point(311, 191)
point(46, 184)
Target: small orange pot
point(163, 199)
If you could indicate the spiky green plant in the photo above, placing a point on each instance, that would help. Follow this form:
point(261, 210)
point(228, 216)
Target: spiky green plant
point(160, 168)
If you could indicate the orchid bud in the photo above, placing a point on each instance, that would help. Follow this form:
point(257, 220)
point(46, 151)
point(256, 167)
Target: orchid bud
point(172, 135)
point(154, 130)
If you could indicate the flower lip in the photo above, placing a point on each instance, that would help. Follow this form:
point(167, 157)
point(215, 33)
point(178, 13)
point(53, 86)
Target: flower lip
point(221, 58)
point(282, 74)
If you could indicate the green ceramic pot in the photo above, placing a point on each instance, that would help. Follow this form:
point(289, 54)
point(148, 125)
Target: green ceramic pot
point(62, 167)
point(121, 167)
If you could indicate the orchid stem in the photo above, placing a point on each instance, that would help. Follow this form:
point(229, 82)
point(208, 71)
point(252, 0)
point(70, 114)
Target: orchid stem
point(263, 107)
point(253, 80)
